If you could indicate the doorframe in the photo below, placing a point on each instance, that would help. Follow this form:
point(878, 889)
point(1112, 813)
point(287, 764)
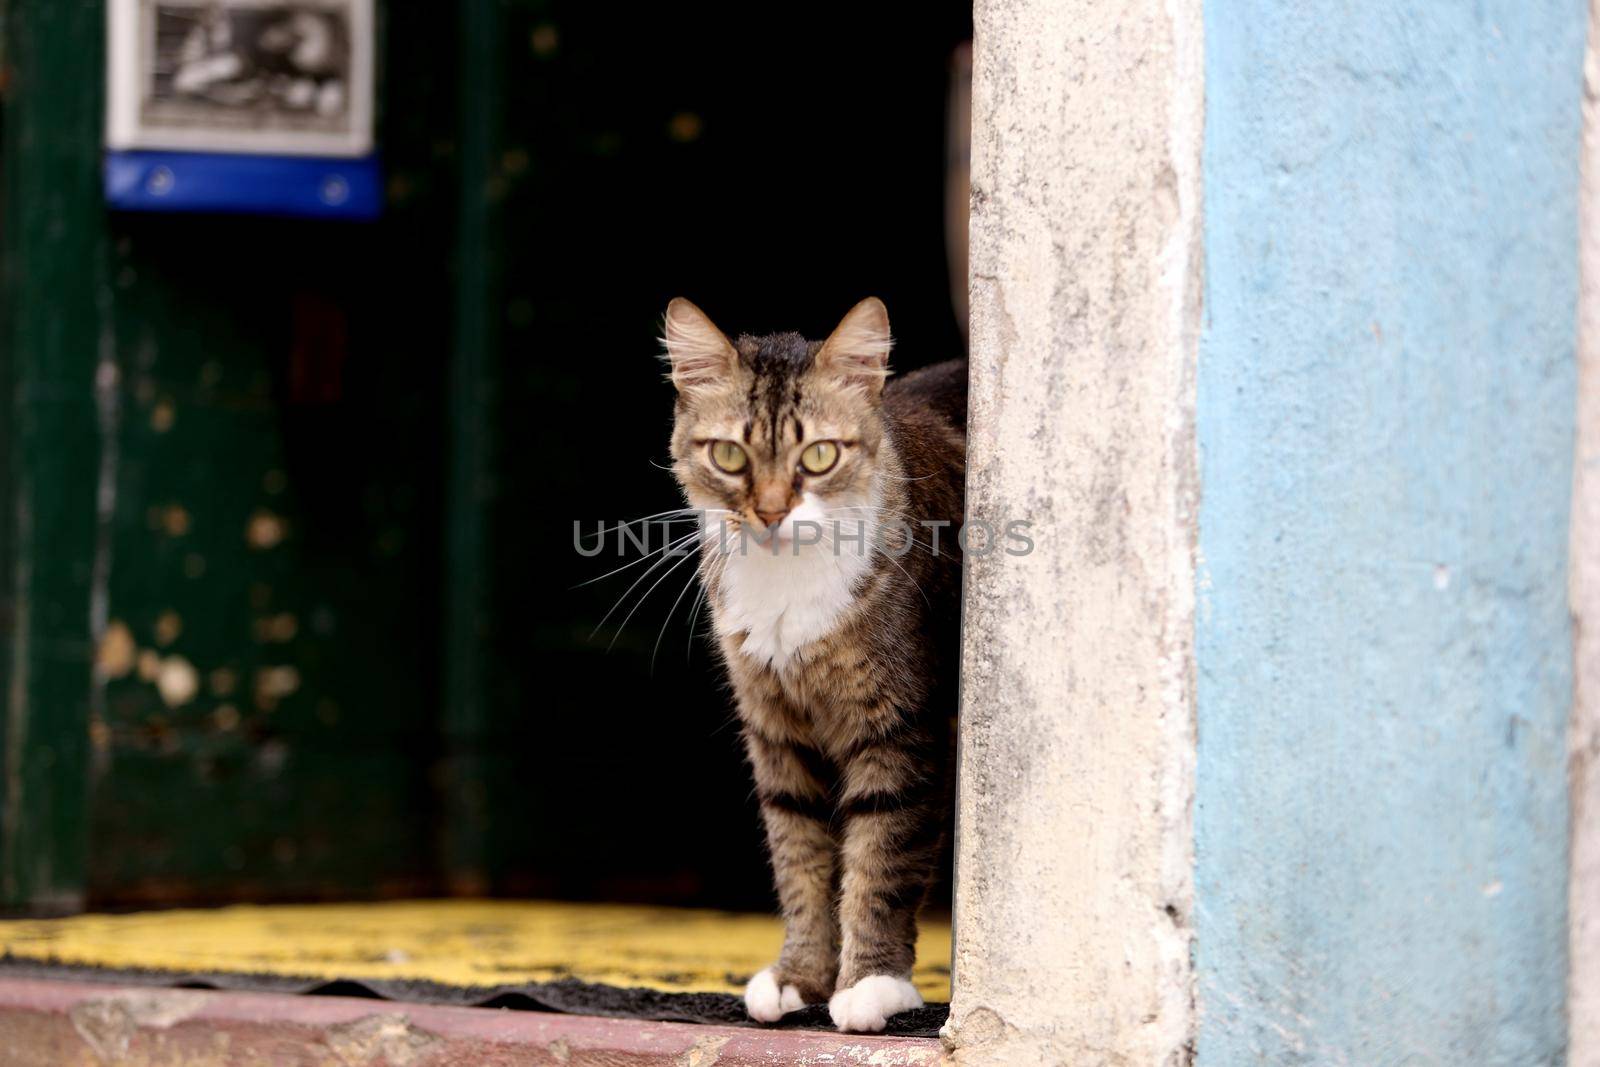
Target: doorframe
point(1074, 830)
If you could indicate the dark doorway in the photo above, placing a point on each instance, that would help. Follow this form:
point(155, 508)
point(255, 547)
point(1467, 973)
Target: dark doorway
point(774, 170)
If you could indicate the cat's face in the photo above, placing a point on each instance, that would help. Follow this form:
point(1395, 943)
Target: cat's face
point(775, 432)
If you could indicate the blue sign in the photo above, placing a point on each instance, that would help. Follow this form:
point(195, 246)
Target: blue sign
point(257, 106)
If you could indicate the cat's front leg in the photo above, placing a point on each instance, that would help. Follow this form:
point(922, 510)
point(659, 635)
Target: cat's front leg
point(893, 827)
point(796, 812)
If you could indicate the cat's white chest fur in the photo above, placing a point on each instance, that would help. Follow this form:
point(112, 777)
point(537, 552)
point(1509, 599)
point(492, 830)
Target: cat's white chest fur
point(782, 601)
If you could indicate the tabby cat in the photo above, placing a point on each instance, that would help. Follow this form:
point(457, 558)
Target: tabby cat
point(830, 560)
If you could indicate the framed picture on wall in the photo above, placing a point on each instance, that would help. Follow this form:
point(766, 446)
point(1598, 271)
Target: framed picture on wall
point(280, 77)
point(251, 106)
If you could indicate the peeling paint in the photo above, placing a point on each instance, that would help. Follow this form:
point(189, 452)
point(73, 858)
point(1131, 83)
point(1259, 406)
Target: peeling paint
point(274, 684)
point(276, 628)
point(108, 420)
point(265, 530)
point(117, 652)
point(169, 624)
point(162, 416)
point(389, 1039)
point(109, 1024)
point(898, 1057)
point(224, 680)
point(705, 1053)
point(980, 1026)
point(174, 519)
point(177, 681)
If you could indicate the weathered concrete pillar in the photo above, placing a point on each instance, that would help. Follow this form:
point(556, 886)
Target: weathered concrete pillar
point(1583, 995)
point(1074, 854)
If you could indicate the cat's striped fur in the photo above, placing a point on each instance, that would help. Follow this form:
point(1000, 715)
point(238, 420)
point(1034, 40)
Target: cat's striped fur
point(842, 657)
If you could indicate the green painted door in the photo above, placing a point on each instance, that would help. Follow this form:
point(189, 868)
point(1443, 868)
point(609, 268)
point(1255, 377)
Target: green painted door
point(223, 472)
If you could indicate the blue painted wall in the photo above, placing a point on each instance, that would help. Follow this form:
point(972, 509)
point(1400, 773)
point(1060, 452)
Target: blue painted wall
point(1385, 420)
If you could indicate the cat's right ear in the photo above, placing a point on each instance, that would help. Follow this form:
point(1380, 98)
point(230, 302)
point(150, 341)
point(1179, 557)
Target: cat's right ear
point(698, 353)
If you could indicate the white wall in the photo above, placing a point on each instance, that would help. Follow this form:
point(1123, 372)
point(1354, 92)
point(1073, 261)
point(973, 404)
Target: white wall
point(1074, 859)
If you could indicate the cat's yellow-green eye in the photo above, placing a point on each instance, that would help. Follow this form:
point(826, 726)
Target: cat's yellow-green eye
point(820, 457)
point(729, 456)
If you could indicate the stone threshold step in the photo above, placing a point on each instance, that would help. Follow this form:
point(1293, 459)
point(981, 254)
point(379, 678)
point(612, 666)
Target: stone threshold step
point(48, 1023)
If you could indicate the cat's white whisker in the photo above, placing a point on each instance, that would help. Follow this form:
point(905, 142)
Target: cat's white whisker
point(694, 617)
point(694, 572)
point(661, 557)
point(708, 577)
point(697, 512)
point(645, 596)
point(895, 478)
point(685, 515)
point(683, 539)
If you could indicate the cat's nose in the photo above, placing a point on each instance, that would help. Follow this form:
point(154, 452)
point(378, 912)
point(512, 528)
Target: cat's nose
point(772, 518)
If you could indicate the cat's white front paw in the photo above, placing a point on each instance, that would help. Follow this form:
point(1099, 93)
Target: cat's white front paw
point(765, 1002)
point(866, 1006)
point(790, 1001)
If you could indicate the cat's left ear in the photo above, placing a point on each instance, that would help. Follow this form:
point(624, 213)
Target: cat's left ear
point(857, 351)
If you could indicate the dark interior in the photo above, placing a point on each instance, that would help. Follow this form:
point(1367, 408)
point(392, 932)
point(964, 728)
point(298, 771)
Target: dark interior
point(775, 172)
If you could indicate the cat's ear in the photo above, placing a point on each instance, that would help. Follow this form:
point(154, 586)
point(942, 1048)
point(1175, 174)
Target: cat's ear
point(858, 349)
point(696, 351)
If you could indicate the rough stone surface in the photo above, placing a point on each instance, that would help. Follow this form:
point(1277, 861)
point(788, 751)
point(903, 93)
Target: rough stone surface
point(108, 1023)
point(1073, 870)
point(1385, 416)
point(82, 1024)
point(1584, 896)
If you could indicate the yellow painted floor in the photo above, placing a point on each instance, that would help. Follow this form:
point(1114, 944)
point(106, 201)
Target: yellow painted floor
point(456, 942)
